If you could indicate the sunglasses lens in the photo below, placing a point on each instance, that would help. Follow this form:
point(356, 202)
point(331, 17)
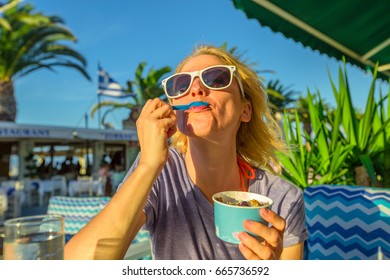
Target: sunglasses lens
point(178, 84)
point(217, 77)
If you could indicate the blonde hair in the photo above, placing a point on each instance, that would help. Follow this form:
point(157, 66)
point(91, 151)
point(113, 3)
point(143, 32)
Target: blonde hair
point(257, 140)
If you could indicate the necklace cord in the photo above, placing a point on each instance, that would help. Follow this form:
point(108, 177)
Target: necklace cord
point(245, 170)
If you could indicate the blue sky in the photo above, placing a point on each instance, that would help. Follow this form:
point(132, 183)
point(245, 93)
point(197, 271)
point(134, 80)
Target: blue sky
point(120, 34)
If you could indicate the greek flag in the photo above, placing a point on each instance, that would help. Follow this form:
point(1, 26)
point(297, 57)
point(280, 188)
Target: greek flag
point(109, 87)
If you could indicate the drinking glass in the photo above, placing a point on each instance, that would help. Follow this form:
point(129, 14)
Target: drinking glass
point(34, 238)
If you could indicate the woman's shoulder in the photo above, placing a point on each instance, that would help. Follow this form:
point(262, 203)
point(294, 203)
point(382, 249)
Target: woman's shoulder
point(271, 183)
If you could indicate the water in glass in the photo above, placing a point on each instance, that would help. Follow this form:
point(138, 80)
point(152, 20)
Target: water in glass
point(36, 246)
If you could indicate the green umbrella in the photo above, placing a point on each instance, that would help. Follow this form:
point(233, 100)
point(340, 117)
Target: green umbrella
point(359, 30)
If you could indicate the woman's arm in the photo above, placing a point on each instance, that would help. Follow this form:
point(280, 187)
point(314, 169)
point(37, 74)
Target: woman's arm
point(294, 252)
point(108, 234)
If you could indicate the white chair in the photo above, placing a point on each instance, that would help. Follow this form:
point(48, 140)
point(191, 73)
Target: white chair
point(60, 185)
point(14, 204)
point(31, 191)
point(99, 185)
point(46, 190)
point(81, 187)
point(15, 197)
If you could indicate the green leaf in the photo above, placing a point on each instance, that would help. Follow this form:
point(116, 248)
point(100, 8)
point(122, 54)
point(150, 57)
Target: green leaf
point(368, 164)
point(4, 23)
point(365, 127)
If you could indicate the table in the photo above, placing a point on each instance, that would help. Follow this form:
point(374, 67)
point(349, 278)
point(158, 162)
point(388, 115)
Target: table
point(45, 187)
point(77, 187)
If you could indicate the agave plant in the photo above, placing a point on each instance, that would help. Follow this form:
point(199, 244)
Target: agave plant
point(369, 134)
point(341, 140)
point(319, 159)
point(145, 88)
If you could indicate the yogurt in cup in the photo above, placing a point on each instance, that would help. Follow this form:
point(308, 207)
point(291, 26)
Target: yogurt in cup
point(230, 211)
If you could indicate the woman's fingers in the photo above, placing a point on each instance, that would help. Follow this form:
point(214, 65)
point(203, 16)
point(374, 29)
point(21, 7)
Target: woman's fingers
point(272, 246)
point(156, 123)
point(253, 248)
point(274, 238)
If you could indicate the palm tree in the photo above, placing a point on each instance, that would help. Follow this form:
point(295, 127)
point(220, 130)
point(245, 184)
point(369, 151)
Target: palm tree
point(4, 7)
point(280, 97)
point(29, 41)
point(240, 55)
point(32, 43)
point(144, 88)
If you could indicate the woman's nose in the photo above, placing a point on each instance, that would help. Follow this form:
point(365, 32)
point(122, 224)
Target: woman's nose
point(197, 88)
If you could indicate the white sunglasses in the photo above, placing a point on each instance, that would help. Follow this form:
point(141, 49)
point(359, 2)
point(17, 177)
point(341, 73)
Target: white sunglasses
point(215, 77)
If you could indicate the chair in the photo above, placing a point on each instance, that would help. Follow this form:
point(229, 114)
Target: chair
point(31, 191)
point(14, 207)
point(347, 222)
point(81, 187)
point(78, 211)
point(15, 198)
point(99, 185)
point(59, 184)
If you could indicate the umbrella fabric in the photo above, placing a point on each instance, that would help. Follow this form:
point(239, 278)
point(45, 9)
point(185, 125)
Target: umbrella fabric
point(358, 30)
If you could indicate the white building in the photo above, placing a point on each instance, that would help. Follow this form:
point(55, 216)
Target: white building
point(51, 142)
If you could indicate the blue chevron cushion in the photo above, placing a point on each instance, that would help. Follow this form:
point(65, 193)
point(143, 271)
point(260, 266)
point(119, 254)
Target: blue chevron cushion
point(347, 222)
point(77, 211)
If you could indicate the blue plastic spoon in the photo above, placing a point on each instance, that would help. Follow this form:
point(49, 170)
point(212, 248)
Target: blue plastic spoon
point(188, 106)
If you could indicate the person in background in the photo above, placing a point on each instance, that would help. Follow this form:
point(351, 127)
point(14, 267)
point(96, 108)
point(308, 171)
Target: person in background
point(186, 157)
point(104, 172)
point(104, 169)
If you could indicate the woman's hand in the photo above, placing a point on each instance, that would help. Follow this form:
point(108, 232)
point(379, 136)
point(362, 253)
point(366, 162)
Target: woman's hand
point(156, 123)
point(272, 246)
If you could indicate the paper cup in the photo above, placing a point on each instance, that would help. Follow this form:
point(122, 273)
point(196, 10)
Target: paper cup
point(228, 219)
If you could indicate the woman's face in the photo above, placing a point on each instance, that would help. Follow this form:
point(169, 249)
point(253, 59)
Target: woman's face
point(226, 110)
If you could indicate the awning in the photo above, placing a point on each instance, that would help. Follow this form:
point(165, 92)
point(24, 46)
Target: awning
point(359, 30)
point(11, 131)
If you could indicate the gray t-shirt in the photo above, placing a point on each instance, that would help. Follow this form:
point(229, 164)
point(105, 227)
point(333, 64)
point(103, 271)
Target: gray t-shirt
point(181, 220)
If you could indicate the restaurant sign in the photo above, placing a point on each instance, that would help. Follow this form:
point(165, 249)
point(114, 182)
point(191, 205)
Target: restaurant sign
point(24, 132)
point(12, 130)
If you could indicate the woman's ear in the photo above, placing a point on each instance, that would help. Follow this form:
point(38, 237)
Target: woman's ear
point(246, 113)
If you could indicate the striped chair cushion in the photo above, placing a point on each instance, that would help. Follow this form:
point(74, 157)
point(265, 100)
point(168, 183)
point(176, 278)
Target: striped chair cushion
point(77, 211)
point(347, 222)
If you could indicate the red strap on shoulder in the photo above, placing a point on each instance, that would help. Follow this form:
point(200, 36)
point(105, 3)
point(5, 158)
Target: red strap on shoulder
point(245, 170)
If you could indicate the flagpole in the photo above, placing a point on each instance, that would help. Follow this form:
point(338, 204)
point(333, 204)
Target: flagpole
point(99, 111)
point(109, 87)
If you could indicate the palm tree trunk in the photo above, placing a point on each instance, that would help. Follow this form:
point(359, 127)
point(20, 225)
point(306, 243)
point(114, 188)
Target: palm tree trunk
point(7, 113)
point(5, 156)
point(7, 101)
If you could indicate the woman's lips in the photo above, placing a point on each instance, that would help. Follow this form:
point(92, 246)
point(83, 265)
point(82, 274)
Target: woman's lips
point(195, 109)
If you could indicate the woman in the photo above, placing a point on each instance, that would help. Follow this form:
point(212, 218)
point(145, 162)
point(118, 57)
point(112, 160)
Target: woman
point(224, 146)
